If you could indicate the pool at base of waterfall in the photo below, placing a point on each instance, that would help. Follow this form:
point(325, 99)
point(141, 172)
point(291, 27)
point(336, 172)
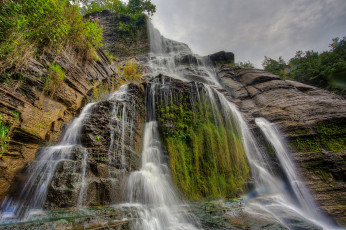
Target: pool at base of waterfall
point(212, 215)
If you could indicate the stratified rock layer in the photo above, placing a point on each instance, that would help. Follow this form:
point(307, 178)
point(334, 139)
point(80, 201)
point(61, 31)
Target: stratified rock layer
point(313, 121)
point(38, 118)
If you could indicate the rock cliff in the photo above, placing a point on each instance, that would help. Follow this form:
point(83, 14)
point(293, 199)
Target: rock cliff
point(38, 118)
point(313, 121)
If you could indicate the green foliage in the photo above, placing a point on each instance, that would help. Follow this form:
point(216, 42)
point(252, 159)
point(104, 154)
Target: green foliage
point(28, 26)
point(116, 6)
point(4, 136)
point(129, 72)
point(307, 144)
point(247, 64)
point(141, 6)
point(111, 58)
point(277, 67)
point(207, 159)
point(135, 12)
point(54, 79)
point(326, 70)
point(90, 6)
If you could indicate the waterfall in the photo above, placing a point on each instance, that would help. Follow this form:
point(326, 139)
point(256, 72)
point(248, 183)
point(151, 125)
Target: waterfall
point(34, 192)
point(176, 60)
point(297, 197)
point(271, 197)
point(151, 187)
point(40, 173)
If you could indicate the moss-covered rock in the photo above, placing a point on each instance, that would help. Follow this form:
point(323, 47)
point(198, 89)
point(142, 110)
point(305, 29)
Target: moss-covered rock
point(206, 157)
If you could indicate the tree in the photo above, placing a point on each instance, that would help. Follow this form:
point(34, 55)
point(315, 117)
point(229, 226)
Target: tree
point(134, 7)
point(274, 66)
point(247, 64)
point(326, 70)
point(141, 6)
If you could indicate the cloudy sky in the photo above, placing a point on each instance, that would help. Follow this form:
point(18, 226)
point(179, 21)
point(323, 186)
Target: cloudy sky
point(252, 29)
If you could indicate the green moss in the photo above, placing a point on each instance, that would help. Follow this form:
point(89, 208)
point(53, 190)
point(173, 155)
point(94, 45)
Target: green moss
point(324, 176)
point(332, 136)
point(307, 144)
point(206, 159)
point(302, 131)
point(270, 149)
point(333, 144)
point(4, 136)
point(326, 128)
point(54, 79)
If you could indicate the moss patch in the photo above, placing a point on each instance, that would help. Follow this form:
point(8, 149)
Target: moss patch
point(207, 158)
point(307, 144)
point(326, 128)
point(330, 136)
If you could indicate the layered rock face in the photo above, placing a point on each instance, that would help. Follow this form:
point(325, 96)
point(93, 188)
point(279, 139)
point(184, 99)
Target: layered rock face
point(38, 118)
point(313, 121)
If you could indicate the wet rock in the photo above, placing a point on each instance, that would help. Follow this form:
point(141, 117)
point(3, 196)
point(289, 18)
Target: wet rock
point(96, 172)
point(221, 58)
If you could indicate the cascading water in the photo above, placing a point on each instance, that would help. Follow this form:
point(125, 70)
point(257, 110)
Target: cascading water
point(34, 192)
point(297, 198)
point(151, 187)
point(176, 60)
point(295, 211)
point(33, 195)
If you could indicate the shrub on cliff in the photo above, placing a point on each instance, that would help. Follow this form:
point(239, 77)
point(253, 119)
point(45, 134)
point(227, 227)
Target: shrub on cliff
point(134, 7)
point(28, 27)
point(325, 70)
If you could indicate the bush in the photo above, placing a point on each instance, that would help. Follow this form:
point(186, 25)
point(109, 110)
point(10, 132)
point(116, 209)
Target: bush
point(116, 6)
point(29, 26)
point(4, 136)
point(129, 71)
point(325, 70)
point(54, 79)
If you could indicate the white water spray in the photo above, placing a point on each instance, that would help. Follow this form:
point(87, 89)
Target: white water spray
point(34, 192)
point(176, 60)
point(296, 198)
point(151, 187)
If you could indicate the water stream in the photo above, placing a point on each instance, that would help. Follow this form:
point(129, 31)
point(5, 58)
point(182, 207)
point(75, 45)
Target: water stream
point(34, 192)
point(151, 187)
point(294, 198)
point(285, 201)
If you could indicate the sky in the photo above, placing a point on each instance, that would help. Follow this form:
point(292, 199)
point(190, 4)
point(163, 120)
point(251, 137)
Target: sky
point(252, 29)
